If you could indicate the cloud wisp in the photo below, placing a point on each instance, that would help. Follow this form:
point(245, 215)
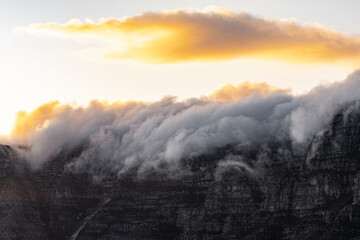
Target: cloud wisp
point(138, 136)
point(230, 92)
point(213, 34)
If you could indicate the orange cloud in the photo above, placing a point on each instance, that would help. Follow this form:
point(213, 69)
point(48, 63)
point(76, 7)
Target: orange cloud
point(26, 123)
point(230, 92)
point(213, 35)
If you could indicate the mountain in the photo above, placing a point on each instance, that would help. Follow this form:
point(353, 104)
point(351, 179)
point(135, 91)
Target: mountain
point(277, 191)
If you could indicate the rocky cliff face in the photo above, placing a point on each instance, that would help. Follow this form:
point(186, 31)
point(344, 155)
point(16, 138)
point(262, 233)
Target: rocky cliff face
point(280, 193)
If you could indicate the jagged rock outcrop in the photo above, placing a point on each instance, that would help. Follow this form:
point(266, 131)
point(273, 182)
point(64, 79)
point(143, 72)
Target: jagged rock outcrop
point(290, 195)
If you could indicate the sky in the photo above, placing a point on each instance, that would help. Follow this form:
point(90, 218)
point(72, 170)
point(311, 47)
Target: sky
point(40, 66)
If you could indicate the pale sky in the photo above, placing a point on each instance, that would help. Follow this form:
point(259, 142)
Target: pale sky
point(36, 69)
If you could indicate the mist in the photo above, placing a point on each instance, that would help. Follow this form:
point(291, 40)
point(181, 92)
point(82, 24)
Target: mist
point(139, 136)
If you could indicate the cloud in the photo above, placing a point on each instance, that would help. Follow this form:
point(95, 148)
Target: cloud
point(230, 92)
point(236, 163)
point(213, 34)
point(27, 123)
point(136, 136)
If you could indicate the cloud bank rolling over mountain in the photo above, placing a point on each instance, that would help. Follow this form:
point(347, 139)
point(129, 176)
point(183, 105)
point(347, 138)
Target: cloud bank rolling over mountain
point(142, 136)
